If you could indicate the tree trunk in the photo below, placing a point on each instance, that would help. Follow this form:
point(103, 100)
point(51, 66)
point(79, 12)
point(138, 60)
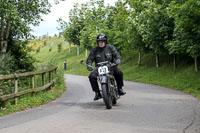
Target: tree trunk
point(1, 36)
point(4, 37)
point(157, 60)
point(175, 62)
point(63, 42)
point(139, 58)
point(4, 45)
point(69, 47)
point(8, 29)
point(196, 64)
point(78, 48)
point(86, 53)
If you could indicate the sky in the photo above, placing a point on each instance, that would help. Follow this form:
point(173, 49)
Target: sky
point(49, 25)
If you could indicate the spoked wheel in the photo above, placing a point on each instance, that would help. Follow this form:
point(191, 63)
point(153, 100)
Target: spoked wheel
point(114, 101)
point(106, 97)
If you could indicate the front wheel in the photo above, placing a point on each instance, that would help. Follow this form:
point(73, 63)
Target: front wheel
point(106, 97)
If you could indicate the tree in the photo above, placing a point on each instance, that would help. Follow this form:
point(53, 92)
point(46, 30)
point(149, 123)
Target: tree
point(16, 18)
point(95, 16)
point(186, 33)
point(154, 28)
point(135, 40)
point(120, 27)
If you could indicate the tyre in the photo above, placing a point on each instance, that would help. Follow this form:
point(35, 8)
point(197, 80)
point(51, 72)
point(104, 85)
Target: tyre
point(106, 97)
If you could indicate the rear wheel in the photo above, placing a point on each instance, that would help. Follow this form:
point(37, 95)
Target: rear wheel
point(106, 97)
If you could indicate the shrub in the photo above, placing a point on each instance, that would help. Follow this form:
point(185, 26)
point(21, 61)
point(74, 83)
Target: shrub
point(50, 49)
point(38, 50)
point(45, 43)
point(7, 64)
point(59, 47)
point(20, 52)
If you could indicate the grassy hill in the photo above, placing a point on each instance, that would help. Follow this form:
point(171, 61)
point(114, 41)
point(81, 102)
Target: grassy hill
point(184, 78)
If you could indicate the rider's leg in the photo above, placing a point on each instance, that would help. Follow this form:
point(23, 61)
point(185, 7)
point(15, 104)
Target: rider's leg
point(93, 81)
point(118, 74)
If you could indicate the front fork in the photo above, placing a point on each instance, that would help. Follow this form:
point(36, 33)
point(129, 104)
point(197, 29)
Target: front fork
point(112, 88)
point(103, 79)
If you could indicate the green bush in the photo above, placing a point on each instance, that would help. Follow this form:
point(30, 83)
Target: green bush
point(59, 47)
point(50, 49)
point(38, 50)
point(24, 62)
point(45, 43)
point(7, 64)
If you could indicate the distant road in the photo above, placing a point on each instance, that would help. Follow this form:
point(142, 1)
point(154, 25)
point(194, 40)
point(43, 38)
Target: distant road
point(144, 109)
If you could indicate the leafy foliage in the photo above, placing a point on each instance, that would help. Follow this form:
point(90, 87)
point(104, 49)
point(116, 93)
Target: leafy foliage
point(186, 33)
point(7, 64)
point(16, 17)
point(156, 26)
point(23, 60)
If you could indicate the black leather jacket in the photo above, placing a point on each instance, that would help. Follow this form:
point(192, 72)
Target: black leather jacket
point(108, 53)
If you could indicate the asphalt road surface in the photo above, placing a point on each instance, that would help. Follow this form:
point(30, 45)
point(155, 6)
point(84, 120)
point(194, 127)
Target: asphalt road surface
point(144, 109)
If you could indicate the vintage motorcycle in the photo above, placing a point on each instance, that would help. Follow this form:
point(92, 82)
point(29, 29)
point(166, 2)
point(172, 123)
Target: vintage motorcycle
point(107, 82)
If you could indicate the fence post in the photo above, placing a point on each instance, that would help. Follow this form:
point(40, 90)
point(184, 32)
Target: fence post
point(50, 78)
point(32, 84)
point(56, 73)
point(16, 88)
point(43, 79)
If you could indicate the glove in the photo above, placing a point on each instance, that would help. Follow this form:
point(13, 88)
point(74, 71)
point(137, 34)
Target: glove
point(112, 65)
point(118, 61)
point(89, 68)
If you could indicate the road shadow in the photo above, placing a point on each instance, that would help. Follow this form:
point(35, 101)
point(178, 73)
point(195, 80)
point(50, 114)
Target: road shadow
point(99, 105)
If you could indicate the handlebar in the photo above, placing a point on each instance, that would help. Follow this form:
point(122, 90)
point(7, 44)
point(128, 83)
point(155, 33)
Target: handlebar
point(109, 64)
point(93, 68)
point(102, 63)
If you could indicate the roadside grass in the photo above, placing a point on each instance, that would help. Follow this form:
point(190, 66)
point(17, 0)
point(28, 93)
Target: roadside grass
point(184, 78)
point(28, 101)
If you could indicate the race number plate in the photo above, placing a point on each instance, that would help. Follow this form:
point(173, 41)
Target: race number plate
point(103, 70)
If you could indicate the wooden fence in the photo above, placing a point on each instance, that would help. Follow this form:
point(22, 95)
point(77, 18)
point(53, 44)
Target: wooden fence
point(52, 79)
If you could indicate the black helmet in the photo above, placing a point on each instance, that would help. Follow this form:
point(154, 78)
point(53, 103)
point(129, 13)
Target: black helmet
point(101, 37)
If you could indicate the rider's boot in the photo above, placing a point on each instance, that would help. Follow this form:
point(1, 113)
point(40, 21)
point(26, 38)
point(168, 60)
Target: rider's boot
point(97, 96)
point(121, 92)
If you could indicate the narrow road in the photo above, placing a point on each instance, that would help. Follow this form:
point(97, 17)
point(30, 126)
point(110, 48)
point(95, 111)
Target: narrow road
point(144, 109)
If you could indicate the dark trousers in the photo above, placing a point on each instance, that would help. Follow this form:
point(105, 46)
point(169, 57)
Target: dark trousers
point(118, 74)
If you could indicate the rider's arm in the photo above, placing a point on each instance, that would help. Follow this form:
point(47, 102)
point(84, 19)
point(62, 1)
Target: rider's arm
point(116, 55)
point(90, 58)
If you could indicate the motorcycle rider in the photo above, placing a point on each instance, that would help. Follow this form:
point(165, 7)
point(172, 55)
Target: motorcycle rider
point(104, 52)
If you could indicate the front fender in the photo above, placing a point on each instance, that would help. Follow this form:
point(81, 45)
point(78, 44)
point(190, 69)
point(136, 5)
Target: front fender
point(103, 80)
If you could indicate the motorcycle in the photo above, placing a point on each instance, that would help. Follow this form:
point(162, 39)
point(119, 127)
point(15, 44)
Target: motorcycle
point(107, 82)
